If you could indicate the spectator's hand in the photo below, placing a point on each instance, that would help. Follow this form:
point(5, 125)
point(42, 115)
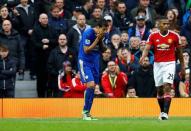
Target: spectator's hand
point(15, 12)
point(110, 95)
point(21, 71)
point(141, 60)
point(30, 31)
point(45, 47)
point(109, 28)
point(97, 90)
point(45, 41)
point(117, 70)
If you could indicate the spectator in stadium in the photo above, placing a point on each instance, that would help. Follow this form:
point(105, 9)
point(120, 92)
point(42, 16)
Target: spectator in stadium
point(102, 5)
point(7, 73)
point(114, 81)
point(184, 43)
point(170, 14)
point(182, 85)
point(140, 29)
point(44, 40)
point(186, 16)
point(26, 15)
point(75, 33)
point(55, 63)
point(76, 12)
point(134, 44)
point(106, 57)
point(96, 16)
point(166, 46)
point(112, 7)
point(115, 44)
point(124, 40)
point(11, 38)
point(65, 79)
point(151, 14)
point(186, 31)
point(122, 17)
point(74, 85)
point(185, 85)
point(127, 62)
point(111, 30)
point(46, 5)
point(58, 23)
point(143, 80)
point(87, 8)
point(5, 14)
point(131, 93)
point(63, 12)
point(172, 93)
point(138, 54)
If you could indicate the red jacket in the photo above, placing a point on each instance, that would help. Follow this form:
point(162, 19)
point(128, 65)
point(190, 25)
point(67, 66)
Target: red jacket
point(119, 87)
point(72, 87)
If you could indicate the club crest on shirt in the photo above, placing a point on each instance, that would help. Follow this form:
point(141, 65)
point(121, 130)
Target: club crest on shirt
point(157, 40)
point(87, 41)
point(169, 41)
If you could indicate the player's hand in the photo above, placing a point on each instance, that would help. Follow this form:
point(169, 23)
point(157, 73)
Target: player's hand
point(100, 33)
point(141, 59)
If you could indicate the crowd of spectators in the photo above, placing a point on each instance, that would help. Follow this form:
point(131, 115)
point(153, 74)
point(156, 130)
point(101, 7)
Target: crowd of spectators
point(43, 36)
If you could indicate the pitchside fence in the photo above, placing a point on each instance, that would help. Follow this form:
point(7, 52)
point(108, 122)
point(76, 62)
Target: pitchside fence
point(102, 107)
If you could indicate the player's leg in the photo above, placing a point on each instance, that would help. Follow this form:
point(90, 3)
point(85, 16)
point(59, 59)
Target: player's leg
point(168, 79)
point(87, 78)
point(158, 83)
point(167, 100)
point(160, 100)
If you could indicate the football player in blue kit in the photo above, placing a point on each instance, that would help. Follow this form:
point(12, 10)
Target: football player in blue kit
point(91, 47)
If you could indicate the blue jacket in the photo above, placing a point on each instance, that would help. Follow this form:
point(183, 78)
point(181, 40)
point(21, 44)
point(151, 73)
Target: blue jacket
point(132, 32)
point(186, 31)
point(7, 73)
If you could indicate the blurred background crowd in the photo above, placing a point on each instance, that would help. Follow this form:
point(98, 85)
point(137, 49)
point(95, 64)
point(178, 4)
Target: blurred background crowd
point(43, 36)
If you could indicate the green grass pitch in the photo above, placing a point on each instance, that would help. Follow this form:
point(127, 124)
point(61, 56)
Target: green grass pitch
point(103, 124)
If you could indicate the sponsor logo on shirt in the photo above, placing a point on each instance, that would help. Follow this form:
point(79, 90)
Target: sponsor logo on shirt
point(163, 47)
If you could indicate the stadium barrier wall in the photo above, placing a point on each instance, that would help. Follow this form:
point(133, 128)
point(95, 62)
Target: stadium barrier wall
point(102, 107)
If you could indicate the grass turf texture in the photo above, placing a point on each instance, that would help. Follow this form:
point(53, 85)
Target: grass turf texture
point(103, 124)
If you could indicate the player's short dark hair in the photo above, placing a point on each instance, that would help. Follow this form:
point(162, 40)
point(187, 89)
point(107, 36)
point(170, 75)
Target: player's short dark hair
point(101, 23)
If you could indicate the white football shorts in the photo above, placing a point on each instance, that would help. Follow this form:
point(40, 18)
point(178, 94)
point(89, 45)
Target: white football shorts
point(164, 72)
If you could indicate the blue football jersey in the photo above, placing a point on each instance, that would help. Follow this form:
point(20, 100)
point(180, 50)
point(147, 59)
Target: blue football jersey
point(88, 38)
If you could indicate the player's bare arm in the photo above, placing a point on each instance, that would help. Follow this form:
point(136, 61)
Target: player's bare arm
point(180, 57)
point(145, 53)
point(100, 35)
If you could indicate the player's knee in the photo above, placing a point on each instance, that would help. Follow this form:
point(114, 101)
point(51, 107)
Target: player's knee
point(91, 84)
point(167, 88)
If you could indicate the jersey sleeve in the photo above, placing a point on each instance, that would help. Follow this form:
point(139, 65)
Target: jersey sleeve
point(87, 38)
point(177, 41)
point(150, 40)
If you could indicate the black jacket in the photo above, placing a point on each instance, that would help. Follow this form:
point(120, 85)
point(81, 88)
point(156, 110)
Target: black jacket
point(26, 21)
point(56, 59)
point(7, 73)
point(143, 82)
point(16, 49)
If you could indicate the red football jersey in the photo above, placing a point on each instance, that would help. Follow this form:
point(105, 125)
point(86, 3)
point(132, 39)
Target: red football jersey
point(164, 46)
